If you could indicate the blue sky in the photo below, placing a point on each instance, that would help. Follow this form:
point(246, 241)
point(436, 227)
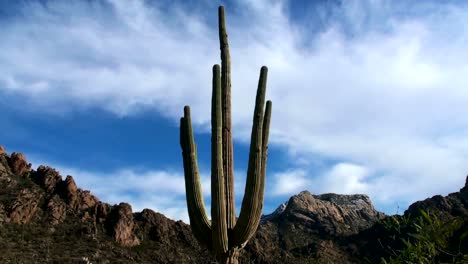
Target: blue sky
point(368, 96)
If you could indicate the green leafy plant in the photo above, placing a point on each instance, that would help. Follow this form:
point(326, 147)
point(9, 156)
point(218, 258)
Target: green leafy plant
point(426, 239)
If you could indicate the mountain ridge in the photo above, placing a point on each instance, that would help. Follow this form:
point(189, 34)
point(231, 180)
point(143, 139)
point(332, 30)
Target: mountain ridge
point(51, 212)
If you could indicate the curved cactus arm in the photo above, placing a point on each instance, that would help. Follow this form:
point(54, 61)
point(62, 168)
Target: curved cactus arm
point(196, 208)
point(265, 134)
point(218, 199)
point(228, 159)
point(252, 202)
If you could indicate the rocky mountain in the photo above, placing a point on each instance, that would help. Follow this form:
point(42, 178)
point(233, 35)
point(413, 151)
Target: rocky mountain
point(309, 226)
point(46, 218)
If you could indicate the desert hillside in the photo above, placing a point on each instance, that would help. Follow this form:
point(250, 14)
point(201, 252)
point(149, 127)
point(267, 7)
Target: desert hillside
point(47, 218)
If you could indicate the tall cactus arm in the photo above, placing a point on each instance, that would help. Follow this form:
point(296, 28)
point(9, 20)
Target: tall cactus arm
point(265, 134)
point(218, 199)
point(252, 202)
point(228, 160)
point(196, 208)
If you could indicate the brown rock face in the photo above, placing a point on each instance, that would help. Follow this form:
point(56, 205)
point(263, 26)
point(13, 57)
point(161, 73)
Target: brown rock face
point(4, 167)
point(70, 185)
point(56, 210)
point(308, 225)
point(101, 210)
point(123, 227)
point(86, 199)
point(157, 227)
point(18, 164)
point(164, 228)
point(24, 207)
point(42, 202)
point(70, 191)
point(76, 198)
point(48, 178)
point(333, 214)
point(2, 150)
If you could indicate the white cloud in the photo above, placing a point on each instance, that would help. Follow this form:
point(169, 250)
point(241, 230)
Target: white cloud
point(289, 182)
point(344, 178)
point(382, 85)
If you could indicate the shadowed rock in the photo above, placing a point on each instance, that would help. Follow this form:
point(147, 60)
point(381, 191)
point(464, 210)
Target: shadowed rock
point(70, 191)
point(48, 178)
point(454, 204)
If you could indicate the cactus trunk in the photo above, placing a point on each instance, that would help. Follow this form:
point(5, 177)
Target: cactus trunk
point(228, 159)
point(223, 235)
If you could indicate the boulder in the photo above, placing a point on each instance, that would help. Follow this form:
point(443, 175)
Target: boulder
point(48, 178)
point(18, 164)
point(86, 199)
point(123, 226)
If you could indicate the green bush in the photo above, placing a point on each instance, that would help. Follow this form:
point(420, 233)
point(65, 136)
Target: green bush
point(426, 239)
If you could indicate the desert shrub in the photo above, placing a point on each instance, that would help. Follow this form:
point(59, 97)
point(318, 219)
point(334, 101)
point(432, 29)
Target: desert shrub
point(426, 239)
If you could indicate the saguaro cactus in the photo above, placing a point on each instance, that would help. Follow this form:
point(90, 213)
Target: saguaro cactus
point(223, 235)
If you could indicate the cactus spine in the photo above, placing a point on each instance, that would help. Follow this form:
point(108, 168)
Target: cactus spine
point(225, 236)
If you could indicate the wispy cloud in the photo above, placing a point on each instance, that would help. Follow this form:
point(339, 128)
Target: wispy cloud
point(343, 178)
point(382, 84)
point(290, 182)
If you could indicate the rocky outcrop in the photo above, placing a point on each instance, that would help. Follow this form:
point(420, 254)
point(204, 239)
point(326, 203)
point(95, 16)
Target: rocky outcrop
point(101, 210)
point(56, 210)
point(123, 224)
point(4, 167)
point(329, 214)
point(25, 206)
point(70, 191)
point(309, 225)
point(275, 213)
point(48, 178)
point(454, 204)
point(76, 198)
point(86, 200)
point(157, 227)
point(44, 209)
point(18, 164)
